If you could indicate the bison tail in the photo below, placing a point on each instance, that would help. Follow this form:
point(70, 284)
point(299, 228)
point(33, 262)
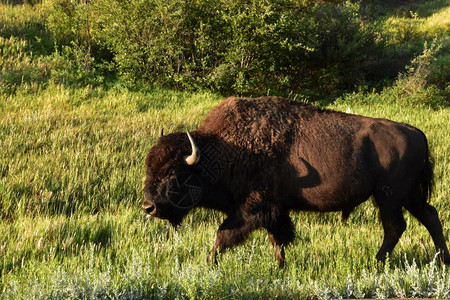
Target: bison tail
point(427, 175)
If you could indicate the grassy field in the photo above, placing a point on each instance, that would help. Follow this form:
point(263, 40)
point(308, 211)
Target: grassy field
point(71, 178)
point(72, 168)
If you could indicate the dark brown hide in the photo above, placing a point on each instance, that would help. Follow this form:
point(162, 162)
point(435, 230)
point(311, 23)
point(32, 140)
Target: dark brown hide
point(261, 158)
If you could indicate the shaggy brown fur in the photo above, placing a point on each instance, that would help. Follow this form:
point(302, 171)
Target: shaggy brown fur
point(261, 158)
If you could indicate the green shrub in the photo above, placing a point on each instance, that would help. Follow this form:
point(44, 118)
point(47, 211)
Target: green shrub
point(228, 46)
point(423, 83)
point(439, 73)
point(414, 84)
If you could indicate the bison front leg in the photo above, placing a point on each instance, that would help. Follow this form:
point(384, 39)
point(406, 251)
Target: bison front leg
point(279, 251)
point(233, 231)
point(281, 233)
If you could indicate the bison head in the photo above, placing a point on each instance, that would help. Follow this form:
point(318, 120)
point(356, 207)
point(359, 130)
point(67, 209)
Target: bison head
point(172, 185)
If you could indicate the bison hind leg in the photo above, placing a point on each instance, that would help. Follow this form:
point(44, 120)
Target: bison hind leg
point(394, 225)
point(428, 216)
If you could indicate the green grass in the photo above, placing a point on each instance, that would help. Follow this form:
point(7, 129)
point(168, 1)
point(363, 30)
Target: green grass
point(424, 22)
point(61, 145)
point(72, 169)
point(72, 149)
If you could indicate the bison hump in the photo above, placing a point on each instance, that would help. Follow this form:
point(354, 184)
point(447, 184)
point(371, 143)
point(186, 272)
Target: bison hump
point(261, 125)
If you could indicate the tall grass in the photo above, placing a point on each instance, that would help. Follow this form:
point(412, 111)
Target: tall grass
point(71, 227)
point(63, 145)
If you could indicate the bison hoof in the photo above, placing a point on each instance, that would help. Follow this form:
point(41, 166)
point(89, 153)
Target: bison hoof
point(211, 260)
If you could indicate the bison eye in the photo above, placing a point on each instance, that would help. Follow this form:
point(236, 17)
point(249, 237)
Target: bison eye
point(149, 209)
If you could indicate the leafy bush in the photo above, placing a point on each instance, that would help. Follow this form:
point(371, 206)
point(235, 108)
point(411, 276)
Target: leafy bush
point(423, 83)
point(414, 84)
point(228, 46)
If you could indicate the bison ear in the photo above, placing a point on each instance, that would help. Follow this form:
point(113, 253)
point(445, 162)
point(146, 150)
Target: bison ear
point(195, 155)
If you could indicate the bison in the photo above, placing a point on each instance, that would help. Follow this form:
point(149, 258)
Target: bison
point(258, 159)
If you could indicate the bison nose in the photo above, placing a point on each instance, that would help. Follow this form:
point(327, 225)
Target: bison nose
point(149, 207)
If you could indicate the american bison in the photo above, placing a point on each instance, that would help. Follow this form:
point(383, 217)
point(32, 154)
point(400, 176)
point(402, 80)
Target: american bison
point(258, 159)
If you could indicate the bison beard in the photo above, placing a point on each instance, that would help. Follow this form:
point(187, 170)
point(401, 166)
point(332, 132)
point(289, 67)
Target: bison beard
point(258, 159)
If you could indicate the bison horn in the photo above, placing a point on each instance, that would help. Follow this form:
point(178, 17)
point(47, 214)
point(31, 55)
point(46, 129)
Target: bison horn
point(161, 132)
point(195, 156)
